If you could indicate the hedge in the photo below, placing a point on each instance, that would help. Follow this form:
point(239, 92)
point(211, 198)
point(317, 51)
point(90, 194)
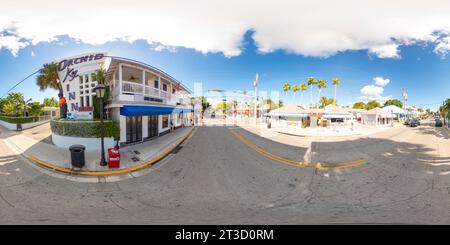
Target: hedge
point(19, 119)
point(85, 129)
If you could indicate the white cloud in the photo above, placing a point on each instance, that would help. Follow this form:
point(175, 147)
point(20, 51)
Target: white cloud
point(12, 43)
point(385, 51)
point(372, 91)
point(311, 28)
point(380, 81)
point(443, 46)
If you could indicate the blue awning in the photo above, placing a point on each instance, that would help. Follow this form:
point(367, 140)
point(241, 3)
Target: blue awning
point(131, 111)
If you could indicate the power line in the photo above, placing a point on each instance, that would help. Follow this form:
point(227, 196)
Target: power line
point(17, 84)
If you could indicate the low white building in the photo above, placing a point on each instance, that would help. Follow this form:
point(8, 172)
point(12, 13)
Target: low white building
point(377, 117)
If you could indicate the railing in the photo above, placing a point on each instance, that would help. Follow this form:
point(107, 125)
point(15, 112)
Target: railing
point(144, 90)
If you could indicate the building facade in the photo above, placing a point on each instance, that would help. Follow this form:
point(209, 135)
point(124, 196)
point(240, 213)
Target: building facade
point(145, 101)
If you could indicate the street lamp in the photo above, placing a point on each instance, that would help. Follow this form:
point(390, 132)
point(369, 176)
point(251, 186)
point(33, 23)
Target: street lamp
point(100, 90)
point(193, 110)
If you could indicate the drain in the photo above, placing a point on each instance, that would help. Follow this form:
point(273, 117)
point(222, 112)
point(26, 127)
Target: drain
point(137, 152)
point(135, 159)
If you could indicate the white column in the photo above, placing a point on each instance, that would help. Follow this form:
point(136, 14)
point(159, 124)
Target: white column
point(144, 127)
point(143, 82)
point(123, 129)
point(159, 87)
point(120, 78)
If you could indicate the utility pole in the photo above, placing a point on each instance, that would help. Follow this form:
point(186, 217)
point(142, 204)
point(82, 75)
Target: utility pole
point(405, 98)
point(255, 84)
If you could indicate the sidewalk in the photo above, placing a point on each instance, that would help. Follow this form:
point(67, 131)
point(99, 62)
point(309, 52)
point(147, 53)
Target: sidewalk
point(132, 156)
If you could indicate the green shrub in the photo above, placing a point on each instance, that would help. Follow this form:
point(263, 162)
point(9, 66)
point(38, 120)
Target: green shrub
point(19, 119)
point(85, 129)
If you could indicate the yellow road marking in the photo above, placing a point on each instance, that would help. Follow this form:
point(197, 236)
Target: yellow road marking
point(318, 166)
point(146, 164)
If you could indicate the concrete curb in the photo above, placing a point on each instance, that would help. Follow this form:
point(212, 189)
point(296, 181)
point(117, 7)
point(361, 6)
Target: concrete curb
point(124, 171)
point(317, 166)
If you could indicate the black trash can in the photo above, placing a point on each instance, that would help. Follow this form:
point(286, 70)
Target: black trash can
point(269, 125)
point(77, 155)
point(19, 127)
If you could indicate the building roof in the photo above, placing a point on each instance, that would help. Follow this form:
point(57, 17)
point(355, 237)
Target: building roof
point(333, 109)
point(395, 109)
point(379, 112)
point(289, 111)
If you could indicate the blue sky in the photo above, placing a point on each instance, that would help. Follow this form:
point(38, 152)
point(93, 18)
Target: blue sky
point(424, 73)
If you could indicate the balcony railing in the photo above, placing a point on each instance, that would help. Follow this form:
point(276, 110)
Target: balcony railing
point(132, 88)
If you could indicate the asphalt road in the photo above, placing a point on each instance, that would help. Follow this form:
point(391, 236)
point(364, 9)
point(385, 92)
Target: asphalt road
point(216, 179)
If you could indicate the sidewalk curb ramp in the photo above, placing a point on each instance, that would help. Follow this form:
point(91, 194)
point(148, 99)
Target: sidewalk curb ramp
point(144, 165)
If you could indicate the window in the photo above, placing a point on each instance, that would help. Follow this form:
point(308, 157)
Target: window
point(165, 87)
point(165, 121)
point(81, 79)
point(156, 84)
point(173, 90)
point(87, 101)
point(338, 120)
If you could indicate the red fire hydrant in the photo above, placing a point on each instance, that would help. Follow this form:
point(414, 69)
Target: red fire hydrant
point(113, 158)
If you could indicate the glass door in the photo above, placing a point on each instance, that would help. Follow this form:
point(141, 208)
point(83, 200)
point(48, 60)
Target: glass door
point(152, 126)
point(134, 129)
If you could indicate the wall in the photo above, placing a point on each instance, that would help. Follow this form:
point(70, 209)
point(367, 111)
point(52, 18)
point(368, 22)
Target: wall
point(90, 143)
point(13, 126)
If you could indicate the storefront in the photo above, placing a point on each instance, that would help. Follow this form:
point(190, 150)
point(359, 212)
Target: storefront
point(145, 101)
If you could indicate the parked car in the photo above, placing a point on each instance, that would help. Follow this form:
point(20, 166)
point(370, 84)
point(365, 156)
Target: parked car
point(413, 123)
point(438, 123)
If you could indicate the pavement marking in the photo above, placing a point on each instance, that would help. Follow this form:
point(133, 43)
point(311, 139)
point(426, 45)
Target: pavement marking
point(146, 164)
point(318, 166)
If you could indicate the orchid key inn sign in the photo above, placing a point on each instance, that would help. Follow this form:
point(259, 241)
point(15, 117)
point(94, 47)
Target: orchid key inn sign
point(75, 75)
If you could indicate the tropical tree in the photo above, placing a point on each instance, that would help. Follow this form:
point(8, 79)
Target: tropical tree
point(100, 77)
point(303, 88)
point(359, 105)
point(25, 106)
point(295, 89)
point(10, 109)
point(335, 82)
point(205, 104)
point(50, 102)
point(286, 88)
point(270, 103)
point(321, 84)
point(280, 103)
point(372, 104)
point(324, 101)
point(395, 102)
point(48, 78)
point(311, 82)
point(35, 109)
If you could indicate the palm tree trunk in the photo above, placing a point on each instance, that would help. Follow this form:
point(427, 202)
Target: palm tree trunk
point(335, 87)
point(311, 99)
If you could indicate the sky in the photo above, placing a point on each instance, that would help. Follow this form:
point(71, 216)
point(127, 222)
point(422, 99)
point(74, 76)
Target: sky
point(375, 48)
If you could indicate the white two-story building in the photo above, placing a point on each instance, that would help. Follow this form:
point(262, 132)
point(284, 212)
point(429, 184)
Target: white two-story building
point(146, 101)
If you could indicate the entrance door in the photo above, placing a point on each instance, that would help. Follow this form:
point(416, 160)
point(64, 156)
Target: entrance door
point(152, 126)
point(134, 129)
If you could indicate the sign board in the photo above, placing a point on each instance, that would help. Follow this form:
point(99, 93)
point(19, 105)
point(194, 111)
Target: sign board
point(69, 70)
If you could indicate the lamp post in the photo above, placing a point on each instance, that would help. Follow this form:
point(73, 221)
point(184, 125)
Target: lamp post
point(100, 92)
point(193, 110)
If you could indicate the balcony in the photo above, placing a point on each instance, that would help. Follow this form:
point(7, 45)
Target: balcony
point(135, 92)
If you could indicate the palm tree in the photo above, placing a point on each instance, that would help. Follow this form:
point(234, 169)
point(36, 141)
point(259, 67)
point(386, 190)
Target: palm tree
point(100, 77)
point(48, 78)
point(303, 88)
point(286, 88)
point(321, 84)
point(295, 89)
point(335, 82)
point(311, 82)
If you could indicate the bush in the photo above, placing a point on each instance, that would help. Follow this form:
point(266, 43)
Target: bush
point(85, 129)
point(19, 119)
